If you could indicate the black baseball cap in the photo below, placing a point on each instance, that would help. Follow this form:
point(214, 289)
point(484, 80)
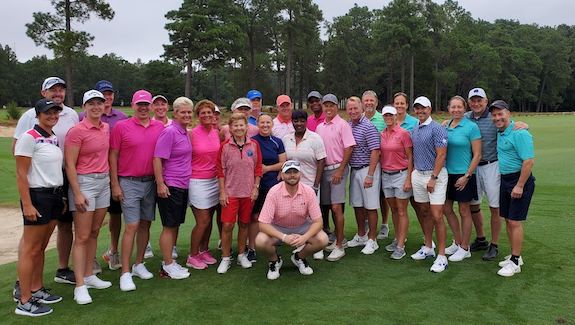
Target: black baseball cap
point(43, 105)
point(501, 104)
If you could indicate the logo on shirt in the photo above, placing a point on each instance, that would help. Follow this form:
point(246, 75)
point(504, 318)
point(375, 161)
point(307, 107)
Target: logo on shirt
point(250, 153)
point(444, 141)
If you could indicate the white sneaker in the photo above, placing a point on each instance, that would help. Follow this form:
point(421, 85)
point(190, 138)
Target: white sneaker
point(383, 232)
point(370, 247)
point(451, 249)
point(149, 253)
point(175, 271)
point(274, 269)
point(302, 265)
point(243, 261)
point(507, 259)
point(331, 247)
point(357, 241)
point(391, 247)
point(141, 271)
point(126, 282)
point(509, 269)
point(336, 254)
point(224, 265)
point(439, 265)
point(93, 282)
point(174, 252)
point(96, 268)
point(423, 253)
point(459, 255)
point(318, 255)
point(82, 296)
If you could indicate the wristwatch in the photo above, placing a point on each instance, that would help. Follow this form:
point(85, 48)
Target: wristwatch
point(467, 176)
point(433, 177)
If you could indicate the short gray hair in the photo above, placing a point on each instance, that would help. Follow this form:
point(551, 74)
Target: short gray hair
point(181, 102)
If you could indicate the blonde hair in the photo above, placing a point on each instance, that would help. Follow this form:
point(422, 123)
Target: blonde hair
point(204, 103)
point(182, 101)
point(236, 117)
point(356, 100)
point(457, 97)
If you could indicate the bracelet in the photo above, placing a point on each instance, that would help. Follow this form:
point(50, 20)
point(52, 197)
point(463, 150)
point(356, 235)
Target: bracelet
point(284, 238)
point(369, 176)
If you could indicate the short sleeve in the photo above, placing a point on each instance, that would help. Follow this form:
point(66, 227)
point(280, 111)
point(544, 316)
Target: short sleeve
point(269, 207)
point(25, 123)
point(25, 146)
point(314, 210)
point(116, 137)
point(406, 139)
point(373, 138)
point(347, 135)
point(164, 144)
point(440, 137)
point(319, 148)
point(474, 133)
point(73, 137)
point(524, 145)
point(281, 147)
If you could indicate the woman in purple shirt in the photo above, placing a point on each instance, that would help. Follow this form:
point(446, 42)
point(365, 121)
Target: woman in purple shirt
point(172, 161)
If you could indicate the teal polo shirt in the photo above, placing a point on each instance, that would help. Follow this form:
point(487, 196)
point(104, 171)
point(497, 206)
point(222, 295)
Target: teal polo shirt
point(409, 123)
point(459, 152)
point(513, 147)
point(377, 120)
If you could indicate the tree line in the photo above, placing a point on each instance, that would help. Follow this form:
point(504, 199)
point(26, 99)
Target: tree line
point(218, 49)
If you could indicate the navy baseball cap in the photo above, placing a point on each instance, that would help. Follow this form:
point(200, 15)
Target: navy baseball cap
point(253, 94)
point(104, 85)
point(501, 104)
point(43, 105)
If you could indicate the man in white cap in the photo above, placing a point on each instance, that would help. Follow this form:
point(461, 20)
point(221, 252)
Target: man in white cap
point(54, 89)
point(429, 180)
point(290, 215)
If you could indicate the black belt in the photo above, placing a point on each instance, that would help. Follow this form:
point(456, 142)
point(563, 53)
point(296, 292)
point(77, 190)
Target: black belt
point(139, 178)
point(53, 190)
point(394, 172)
point(486, 162)
point(359, 167)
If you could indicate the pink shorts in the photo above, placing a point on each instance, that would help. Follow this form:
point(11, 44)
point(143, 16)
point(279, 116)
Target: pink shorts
point(237, 206)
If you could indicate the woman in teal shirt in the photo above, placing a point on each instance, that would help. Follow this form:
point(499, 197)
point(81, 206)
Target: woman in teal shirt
point(463, 156)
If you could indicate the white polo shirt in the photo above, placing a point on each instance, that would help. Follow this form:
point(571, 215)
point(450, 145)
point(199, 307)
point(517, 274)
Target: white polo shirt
point(68, 118)
point(47, 158)
point(307, 152)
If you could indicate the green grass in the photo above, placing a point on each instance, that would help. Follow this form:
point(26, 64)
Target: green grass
point(357, 289)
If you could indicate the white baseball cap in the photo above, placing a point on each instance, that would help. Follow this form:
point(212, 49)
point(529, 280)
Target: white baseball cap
point(291, 164)
point(387, 109)
point(423, 101)
point(91, 94)
point(477, 92)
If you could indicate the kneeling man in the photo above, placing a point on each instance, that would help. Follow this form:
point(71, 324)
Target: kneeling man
point(291, 215)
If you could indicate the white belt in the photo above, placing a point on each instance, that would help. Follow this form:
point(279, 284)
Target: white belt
point(332, 167)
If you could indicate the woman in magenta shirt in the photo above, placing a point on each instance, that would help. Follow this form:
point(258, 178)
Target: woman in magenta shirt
point(396, 167)
point(203, 185)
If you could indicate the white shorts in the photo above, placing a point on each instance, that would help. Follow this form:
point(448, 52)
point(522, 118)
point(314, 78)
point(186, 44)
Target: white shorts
point(364, 197)
point(488, 181)
point(95, 188)
point(204, 193)
point(419, 180)
point(392, 185)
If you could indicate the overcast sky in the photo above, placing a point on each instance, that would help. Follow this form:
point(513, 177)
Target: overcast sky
point(137, 31)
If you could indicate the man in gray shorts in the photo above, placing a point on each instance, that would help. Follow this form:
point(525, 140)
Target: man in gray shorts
point(338, 139)
point(132, 145)
point(290, 215)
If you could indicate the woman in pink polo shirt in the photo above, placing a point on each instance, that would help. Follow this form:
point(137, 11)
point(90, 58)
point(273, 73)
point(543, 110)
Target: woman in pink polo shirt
point(396, 166)
point(86, 153)
point(203, 185)
point(239, 169)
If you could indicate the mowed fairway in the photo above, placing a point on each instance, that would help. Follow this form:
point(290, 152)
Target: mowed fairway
point(358, 289)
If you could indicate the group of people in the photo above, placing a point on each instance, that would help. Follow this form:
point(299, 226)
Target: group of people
point(278, 179)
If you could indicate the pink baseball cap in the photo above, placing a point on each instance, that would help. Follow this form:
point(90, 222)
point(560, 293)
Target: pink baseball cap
point(282, 99)
point(142, 96)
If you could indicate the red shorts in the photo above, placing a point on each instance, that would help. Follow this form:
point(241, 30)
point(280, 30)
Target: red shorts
point(237, 206)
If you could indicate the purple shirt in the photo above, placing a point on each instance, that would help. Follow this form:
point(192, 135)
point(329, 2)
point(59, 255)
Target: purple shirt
point(114, 117)
point(175, 149)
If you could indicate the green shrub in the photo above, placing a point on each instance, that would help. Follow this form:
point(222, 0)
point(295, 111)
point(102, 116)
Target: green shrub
point(13, 111)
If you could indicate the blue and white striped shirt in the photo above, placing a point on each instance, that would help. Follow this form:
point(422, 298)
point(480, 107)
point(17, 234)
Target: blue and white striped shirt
point(367, 139)
point(426, 137)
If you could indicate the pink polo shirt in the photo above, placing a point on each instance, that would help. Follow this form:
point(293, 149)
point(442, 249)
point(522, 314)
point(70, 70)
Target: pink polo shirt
point(313, 122)
point(394, 143)
point(282, 209)
point(135, 144)
point(282, 128)
point(205, 148)
point(238, 167)
point(336, 135)
point(252, 130)
point(175, 148)
point(94, 144)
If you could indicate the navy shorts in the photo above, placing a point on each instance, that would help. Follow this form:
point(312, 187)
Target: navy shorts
point(469, 192)
point(259, 203)
point(173, 208)
point(515, 209)
point(49, 204)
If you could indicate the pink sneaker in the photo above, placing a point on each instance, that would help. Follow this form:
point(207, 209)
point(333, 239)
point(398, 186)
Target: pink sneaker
point(207, 257)
point(196, 262)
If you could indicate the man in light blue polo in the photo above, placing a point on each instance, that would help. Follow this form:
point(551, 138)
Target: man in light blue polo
point(516, 159)
point(429, 180)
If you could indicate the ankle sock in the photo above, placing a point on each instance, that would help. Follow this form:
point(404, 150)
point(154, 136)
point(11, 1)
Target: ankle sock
point(515, 259)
